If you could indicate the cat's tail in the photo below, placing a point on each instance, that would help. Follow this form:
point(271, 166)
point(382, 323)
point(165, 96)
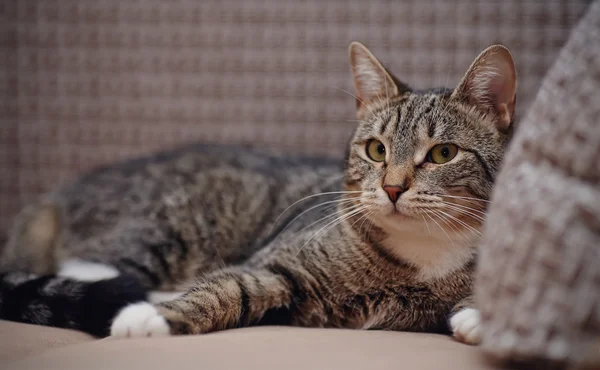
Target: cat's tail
point(33, 239)
point(39, 296)
point(63, 302)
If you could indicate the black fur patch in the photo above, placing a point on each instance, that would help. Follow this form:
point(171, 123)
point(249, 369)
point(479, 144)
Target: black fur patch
point(65, 303)
point(102, 300)
point(281, 316)
point(284, 315)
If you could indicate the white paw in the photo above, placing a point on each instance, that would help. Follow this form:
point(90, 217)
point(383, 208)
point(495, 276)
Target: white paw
point(466, 326)
point(139, 320)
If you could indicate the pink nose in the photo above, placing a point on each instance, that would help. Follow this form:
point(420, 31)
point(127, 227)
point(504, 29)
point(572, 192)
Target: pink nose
point(394, 192)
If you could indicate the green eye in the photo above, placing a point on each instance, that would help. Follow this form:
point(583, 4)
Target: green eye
point(376, 150)
point(442, 153)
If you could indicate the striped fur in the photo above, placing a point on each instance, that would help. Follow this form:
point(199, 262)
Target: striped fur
point(216, 221)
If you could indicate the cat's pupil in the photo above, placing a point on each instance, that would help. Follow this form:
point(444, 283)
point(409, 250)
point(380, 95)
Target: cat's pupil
point(445, 152)
point(380, 148)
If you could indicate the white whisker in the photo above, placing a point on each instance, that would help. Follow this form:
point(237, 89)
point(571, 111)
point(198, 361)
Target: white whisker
point(357, 98)
point(330, 225)
point(425, 221)
point(467, 198)
point(464, 212)
point(461, 222)
point(441, 228)
point(363, 217)
point(447, 223)
point(337, 201)
point(462, 206)
point(450, 224)
point(312, 196)
point(334, 214)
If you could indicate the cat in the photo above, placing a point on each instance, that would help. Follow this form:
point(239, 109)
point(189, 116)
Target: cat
point(212, 237)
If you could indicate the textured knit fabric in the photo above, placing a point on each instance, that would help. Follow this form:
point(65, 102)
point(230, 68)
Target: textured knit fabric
point(539, 280)
point(84, 83)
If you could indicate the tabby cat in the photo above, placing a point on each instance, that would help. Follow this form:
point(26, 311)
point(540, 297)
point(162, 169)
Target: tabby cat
point(211, 237)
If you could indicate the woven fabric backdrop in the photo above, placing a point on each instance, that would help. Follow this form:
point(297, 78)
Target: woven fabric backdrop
point(89, 82)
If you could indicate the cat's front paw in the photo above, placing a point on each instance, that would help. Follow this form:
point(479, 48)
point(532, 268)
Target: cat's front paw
point(466, 326)
point(139, 320)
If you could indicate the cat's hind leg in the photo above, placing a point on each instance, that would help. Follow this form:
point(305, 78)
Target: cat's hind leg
point(151, 253)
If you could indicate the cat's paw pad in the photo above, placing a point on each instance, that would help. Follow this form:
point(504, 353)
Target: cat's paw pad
point(466, 326)
point(139, 320)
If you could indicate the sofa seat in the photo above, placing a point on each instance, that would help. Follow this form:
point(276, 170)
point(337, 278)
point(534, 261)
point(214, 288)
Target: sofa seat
point(265, 348)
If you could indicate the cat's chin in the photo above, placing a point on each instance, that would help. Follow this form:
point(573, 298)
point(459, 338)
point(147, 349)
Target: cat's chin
point(396, 213)
point(399, 215)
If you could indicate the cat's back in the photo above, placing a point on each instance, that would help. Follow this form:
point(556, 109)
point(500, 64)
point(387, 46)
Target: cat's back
point(139, 186)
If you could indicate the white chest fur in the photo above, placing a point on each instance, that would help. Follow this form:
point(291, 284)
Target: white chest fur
point(435, 251)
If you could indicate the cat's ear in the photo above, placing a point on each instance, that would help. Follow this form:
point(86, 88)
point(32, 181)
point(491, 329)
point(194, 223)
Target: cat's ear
point(491, 85)
point(372, 82)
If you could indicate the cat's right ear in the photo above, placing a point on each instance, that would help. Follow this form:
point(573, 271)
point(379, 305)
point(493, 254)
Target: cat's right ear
point(491, 85)
point(372, 82)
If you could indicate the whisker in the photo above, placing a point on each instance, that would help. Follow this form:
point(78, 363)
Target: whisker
point(468, 198)
point(371, 223)
point(329, 208)
point(424, 220)
point(363, 217)
point(465, 212)
point(334, 214)
point(346, 217)
point(462, 212)
point(447, 108)
point(332, 224)
point(454, 227)
point(446, 222)
point(325, 229)
point(386, 101)
point(479, 211)
point(441, 228)
point(357, 98)
point(461, 222)
point(358, 121)
point(366, 218)
point(312, 196)
point(337, 201)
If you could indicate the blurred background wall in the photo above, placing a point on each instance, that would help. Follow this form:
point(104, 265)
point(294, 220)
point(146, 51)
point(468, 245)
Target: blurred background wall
point(83, 83)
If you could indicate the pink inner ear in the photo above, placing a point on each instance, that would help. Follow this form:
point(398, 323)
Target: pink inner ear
point(502, 86)
point(491, 84)
point(500, 89)
point(499, 94)
point(371, 80)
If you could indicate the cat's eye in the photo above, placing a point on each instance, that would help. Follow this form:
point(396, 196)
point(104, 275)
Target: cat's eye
point(376, 150)
point(442, 153)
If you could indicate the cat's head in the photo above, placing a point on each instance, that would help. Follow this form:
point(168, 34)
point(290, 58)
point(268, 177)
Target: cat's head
point(427, 160)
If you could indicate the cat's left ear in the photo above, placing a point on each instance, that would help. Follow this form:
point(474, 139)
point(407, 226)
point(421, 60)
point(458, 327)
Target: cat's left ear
point(372, 82)
point(491, 84)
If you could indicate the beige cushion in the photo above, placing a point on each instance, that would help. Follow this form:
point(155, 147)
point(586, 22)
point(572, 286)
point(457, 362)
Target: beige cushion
point(252, 348)
point(18, 341)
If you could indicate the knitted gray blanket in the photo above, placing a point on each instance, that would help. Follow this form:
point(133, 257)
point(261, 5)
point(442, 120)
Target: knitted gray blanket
point(538, 284)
